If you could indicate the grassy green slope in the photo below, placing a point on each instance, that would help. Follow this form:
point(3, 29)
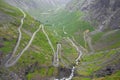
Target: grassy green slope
point(75, 26)
point(38, 57)
point(106, 40)
point(72, 22)
point(39, 52)
point(36, 62)
point(106, 44)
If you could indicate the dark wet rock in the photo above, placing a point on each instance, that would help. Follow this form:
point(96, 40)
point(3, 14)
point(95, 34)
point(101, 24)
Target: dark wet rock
point(1, 53)
point(32, 57)
point(1, 45)
point(63, 72)
point(5, 39)
point(6, 74)
point(31, 68)
point(1, 57)
point(109, 70)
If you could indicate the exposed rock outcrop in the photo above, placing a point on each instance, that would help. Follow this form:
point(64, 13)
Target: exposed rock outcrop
point(103, 14)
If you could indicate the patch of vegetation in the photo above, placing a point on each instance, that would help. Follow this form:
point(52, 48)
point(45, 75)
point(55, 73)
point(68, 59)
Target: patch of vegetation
point(109, 40)
point(115, 76)
point(39, 51)
point(97, 37)
point(94, 62)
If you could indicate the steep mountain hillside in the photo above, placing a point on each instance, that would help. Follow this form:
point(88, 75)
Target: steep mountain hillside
point(103, 14)
point(28, 51)
point(44, 40)
point(18, 65)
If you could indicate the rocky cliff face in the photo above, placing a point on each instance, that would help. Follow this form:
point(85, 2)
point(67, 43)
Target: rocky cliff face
point(103, 14)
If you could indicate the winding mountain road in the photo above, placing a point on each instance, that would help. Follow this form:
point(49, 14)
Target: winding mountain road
point(56, 56)
point(49, 41)
point(76, 61)
point(13, 59)
point(55, 53)
point(56, 34)
point(78, 50)
point(64, 30)
point(88, 40)
point(20, 35)
point(8, 64)
point(81, 47)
